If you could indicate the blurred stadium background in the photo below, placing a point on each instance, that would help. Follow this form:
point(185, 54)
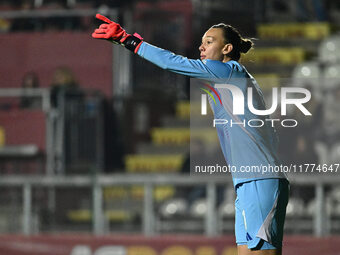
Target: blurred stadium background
point(94, 142)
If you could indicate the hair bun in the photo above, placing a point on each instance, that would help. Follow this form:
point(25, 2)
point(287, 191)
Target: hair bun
point(246, 45)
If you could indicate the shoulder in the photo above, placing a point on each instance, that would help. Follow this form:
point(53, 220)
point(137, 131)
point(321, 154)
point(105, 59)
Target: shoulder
point(222, 69)
point(236, 66)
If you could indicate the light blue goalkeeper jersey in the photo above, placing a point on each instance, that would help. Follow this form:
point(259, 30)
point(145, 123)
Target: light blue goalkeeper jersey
point(243, 146)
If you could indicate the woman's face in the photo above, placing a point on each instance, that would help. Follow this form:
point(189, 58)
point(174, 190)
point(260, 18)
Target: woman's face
point(213, 45)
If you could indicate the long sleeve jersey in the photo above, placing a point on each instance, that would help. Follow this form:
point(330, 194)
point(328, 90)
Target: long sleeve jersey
point(243, 146)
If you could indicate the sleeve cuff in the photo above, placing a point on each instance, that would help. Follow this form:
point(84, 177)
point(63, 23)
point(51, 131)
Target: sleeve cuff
point(141, 50)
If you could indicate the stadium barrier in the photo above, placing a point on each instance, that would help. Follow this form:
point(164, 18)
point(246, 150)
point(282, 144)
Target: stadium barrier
point(149, 182)
point(72, 244)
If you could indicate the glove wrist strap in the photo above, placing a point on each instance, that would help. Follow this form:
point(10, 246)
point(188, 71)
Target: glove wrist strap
point(132, 43)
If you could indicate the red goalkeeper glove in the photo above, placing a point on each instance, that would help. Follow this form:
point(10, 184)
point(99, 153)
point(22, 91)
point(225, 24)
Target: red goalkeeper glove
point(114, 32)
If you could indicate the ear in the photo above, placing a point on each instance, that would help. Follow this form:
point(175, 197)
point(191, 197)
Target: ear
point(227, 48)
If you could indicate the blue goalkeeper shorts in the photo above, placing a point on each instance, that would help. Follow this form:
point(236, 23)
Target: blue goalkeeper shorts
point(260, 210)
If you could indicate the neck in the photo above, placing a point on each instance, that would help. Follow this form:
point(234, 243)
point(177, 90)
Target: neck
point(226, 59)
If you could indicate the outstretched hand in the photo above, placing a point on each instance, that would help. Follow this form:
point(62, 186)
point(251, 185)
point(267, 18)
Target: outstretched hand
point(112, 31)
point(109, 30)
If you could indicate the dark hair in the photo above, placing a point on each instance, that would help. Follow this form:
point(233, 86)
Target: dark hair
point(232, 36)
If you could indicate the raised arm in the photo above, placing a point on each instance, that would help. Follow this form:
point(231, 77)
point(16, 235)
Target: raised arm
point(163, 58)
point(175, 63)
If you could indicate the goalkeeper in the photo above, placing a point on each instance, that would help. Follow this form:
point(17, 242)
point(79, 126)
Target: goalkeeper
point(260, 206)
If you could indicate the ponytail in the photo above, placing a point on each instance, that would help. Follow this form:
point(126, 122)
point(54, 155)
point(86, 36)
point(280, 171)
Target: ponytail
point(232, 36)
point(245, 45)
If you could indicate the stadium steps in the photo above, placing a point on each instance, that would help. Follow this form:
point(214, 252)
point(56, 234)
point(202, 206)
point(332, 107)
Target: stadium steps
point(170, 136)
point(199, 120)
point(127, 195)
point(181, 136)
point(169, 144)
point(85, 215)
point(2, 136)
point(149, 148)
point(307, 44)
point(153, 163)
point(276, 60)
point(307, 30)
point(267, 80)
point(175, 122)
point(186, 108)
point(281, 46)
point(280, 70)
point(183, 110)
point(165, 153)
point(117, 199)
point(275, 55)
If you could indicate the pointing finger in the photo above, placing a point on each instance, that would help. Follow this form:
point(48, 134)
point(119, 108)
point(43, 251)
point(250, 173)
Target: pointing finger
point(103, 18)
